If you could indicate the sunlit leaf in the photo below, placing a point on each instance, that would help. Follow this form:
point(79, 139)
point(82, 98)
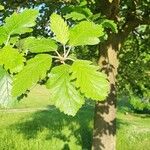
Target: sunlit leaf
point(11, 59)
point(63, 93)
point(38, 45)
point(60, 28)
point(20, 23)
point(91, 82)
point(85, 33)
point(34, 71)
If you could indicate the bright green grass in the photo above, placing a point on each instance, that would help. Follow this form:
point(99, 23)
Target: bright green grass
point(45, 130)
point(39, 97)
point(133, 132)
point(52, 130)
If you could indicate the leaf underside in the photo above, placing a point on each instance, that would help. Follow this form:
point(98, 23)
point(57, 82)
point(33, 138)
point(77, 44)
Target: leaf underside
point(5, 89)
point(75, 16)
point(60, 28)
point(63, 93)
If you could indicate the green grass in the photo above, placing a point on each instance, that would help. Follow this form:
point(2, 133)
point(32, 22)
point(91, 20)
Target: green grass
point(52, 130)
point(39, 97)
point(45, 130)
point(133, 132)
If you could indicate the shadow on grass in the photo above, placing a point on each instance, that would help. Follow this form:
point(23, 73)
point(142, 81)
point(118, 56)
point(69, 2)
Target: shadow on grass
point(59, 126)
point(120, 123)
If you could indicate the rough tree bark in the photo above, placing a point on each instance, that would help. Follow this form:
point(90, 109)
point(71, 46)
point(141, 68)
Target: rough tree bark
point(104, 134)
point(104, 125)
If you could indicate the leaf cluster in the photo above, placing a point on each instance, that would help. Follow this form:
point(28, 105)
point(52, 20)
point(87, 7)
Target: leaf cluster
point(71, 80)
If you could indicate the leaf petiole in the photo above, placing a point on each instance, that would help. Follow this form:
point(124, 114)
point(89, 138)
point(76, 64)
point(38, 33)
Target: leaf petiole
point(8, 38)
point(69, 49)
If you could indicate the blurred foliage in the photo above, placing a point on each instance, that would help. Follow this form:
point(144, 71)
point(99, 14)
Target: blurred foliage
point(134, 68)
point(140, 105)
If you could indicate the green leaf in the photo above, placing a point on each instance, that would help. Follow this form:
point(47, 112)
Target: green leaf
point(14, 39)
point(87, 12)
point(83, 3)
point(2, 72)
point(34, 71)
point(3, 35)
point(91, 82)
point(85, 33)
point(95, 17)
point(75, 16)
point(38, 45)
point(20, 23)
point(6, 99)
point(60, 28)
point(1, 7)
point(11, 59)
point(63, 93)
point(110, 24)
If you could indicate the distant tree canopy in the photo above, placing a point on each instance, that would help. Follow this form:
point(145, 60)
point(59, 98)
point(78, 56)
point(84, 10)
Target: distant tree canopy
point(134, 72)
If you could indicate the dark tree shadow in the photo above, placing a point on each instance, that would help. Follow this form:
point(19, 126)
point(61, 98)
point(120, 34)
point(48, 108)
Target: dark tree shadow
point(102, 114)
point(105, 111)
point(59, 126)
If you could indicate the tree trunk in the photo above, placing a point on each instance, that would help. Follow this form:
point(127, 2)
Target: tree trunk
point(104, 135)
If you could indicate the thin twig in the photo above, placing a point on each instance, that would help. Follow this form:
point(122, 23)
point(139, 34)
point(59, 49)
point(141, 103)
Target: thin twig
point(70, 59)
point(55, 57)
point(64, 48)
point(57, 53)
point(68, 51)
point(8, 38)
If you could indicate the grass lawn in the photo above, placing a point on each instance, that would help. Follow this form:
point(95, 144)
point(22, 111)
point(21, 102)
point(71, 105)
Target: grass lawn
point(133, 132)
point(52, 130)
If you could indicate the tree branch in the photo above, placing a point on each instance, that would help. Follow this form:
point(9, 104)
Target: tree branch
point(131, 23)
point(108, 8)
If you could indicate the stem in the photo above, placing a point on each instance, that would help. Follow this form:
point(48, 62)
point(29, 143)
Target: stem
point(58, 53)
point(7, 40)
point(62, 62)
point(64, 48)
point(70, 59)
point(64, 56)
point(55, 57)
point(68, 51)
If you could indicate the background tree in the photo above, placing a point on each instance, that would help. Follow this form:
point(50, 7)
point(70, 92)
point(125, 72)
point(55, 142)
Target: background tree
point(133, 78)
point(128, 15)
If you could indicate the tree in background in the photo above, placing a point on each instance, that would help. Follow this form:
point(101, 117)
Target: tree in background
point(133, 79)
